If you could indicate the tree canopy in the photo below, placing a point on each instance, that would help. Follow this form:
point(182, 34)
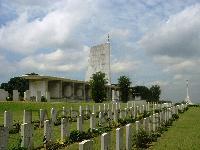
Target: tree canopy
point(98, 86)
point(16, 83)
point(124, 85)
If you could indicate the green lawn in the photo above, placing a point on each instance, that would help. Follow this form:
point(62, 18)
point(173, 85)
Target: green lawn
point(184, 133)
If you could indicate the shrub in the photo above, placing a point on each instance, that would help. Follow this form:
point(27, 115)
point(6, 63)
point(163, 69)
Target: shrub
point(142, 139)
point(43, 99)
point(175, 116)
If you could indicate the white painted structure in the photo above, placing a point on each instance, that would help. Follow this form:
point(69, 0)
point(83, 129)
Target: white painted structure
point(99, 60)
point(59, 88)
point(187, 99)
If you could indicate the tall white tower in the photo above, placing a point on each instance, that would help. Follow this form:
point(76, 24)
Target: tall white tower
point(99, 60)
point(187, 99)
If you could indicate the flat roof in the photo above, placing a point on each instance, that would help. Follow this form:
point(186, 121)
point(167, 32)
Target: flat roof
point(41, 77)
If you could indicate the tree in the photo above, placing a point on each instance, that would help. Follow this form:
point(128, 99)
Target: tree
point(143, 91)
point(155, 92)
point(16, 83)
point(124, 85)
point(98, 85)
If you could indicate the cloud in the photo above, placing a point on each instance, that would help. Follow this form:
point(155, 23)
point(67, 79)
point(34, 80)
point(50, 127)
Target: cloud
point(178, 37)
point(119, 66)
point(56, 61)
point(54, 30)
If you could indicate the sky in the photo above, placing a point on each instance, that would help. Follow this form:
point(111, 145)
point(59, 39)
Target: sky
point(152, 41)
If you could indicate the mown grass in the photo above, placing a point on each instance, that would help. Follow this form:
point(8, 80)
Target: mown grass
point(184, 133)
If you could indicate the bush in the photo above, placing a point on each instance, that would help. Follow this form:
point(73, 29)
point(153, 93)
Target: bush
point(43, 99)
point(175, 116)
point(142, 139)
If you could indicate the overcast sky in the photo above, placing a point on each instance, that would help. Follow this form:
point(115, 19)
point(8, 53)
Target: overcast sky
point(153, 41)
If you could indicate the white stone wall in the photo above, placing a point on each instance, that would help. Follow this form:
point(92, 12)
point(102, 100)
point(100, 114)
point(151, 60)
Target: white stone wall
point(99, 60)
point(35, 86)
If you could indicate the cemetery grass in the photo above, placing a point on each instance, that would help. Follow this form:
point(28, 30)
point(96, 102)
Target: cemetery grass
point(17, 109)
point(183, 134)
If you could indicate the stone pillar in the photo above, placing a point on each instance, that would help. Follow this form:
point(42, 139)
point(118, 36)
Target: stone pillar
point(4, 134)
point(38, 96)
point(27, 118)
point(15, 95)
point(27, 95)
point(8, 119)
point(128, 137)
point(105, 141)
point(64, 129)
point(48, 132)
point(27, 136)
point(92, 121)
point(119, 139)
point(53, 115)
point(86, 145)
point(80, 123)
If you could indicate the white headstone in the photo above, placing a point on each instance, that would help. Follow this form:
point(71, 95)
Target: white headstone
point(15, 95)
point(4, 134)
point(119, 139)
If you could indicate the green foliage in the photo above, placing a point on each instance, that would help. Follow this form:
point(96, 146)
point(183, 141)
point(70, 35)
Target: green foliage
point(43, 99)
point(16, 83)
point(175, 116)
point(124, 85)
point(143, 91)
point(98, 86)
point(155, 92)
point(142, 139)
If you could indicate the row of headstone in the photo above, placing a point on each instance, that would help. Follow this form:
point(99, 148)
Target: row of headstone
point(27, 96)
point(149, 124)
point(106, 140)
